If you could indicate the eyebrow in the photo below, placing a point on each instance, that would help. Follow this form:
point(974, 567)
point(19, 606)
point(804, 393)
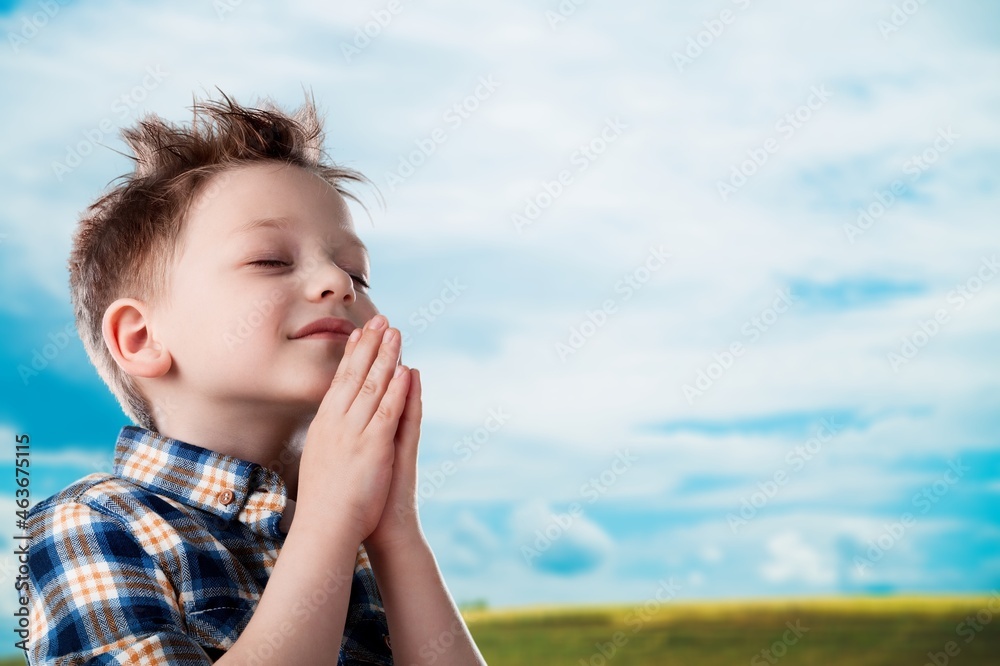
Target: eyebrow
point(284, 223)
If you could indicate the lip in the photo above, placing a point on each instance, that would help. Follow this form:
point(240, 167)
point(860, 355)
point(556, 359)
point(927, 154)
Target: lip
point(329, 328)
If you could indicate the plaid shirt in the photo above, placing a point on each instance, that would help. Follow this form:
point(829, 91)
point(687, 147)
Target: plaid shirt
point(164, 561)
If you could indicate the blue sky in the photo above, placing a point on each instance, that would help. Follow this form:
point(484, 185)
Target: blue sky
point(747, 160)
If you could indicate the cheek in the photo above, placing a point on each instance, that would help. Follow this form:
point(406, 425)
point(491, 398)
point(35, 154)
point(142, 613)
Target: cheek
point(259, 320)
point(365, 310)
point(220, 327)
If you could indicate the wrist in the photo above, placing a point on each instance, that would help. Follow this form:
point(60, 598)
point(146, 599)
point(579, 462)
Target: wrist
point(332, 528)
point(402, 541)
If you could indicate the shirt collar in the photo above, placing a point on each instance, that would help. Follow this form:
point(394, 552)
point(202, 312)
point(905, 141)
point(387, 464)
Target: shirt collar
point(223, 485)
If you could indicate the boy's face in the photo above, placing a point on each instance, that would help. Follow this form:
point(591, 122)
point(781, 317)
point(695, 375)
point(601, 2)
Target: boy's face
point(229, 322)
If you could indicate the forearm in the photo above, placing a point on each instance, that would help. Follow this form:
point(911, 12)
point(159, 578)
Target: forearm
point(424, 623)
point(301, 614)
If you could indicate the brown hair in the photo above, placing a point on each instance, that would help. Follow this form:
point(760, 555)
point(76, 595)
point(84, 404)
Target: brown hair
point(125, 241)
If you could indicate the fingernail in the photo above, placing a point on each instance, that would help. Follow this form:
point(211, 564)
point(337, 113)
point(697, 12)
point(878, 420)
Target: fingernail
point(399, 371)
point(375, 323)
point(355, 334)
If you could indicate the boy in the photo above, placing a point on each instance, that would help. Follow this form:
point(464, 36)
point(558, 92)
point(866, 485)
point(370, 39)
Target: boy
point(263, 509)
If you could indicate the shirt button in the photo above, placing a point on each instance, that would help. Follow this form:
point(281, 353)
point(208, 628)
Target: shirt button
point(226, 497)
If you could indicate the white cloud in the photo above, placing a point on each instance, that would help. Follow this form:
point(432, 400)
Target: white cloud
point(711, 554)
point(565, 543)
point(794, 560)
point(472, 545)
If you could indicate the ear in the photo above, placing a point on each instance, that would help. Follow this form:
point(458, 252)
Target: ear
point(134, 346)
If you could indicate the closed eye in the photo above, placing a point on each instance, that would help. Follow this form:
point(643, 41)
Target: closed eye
point(277, 263)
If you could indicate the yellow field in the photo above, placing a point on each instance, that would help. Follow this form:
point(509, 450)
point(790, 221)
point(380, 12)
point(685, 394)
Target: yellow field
point(858, 631)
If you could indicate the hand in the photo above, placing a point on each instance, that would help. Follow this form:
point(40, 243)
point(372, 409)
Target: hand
point(399, 523)
point(346, 466)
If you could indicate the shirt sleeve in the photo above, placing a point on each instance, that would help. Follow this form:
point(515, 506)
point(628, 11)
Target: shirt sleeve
point(97, 597)
point(366, 630)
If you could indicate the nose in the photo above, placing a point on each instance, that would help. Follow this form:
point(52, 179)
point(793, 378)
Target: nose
point(325, 277)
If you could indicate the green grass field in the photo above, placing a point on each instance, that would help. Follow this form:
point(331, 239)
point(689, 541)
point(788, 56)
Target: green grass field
point(891, 631)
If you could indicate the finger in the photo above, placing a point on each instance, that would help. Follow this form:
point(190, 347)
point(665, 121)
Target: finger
point(384, 422)
point(355, 364)
point(336, 397)
point(356, 339)
point(375, 383)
